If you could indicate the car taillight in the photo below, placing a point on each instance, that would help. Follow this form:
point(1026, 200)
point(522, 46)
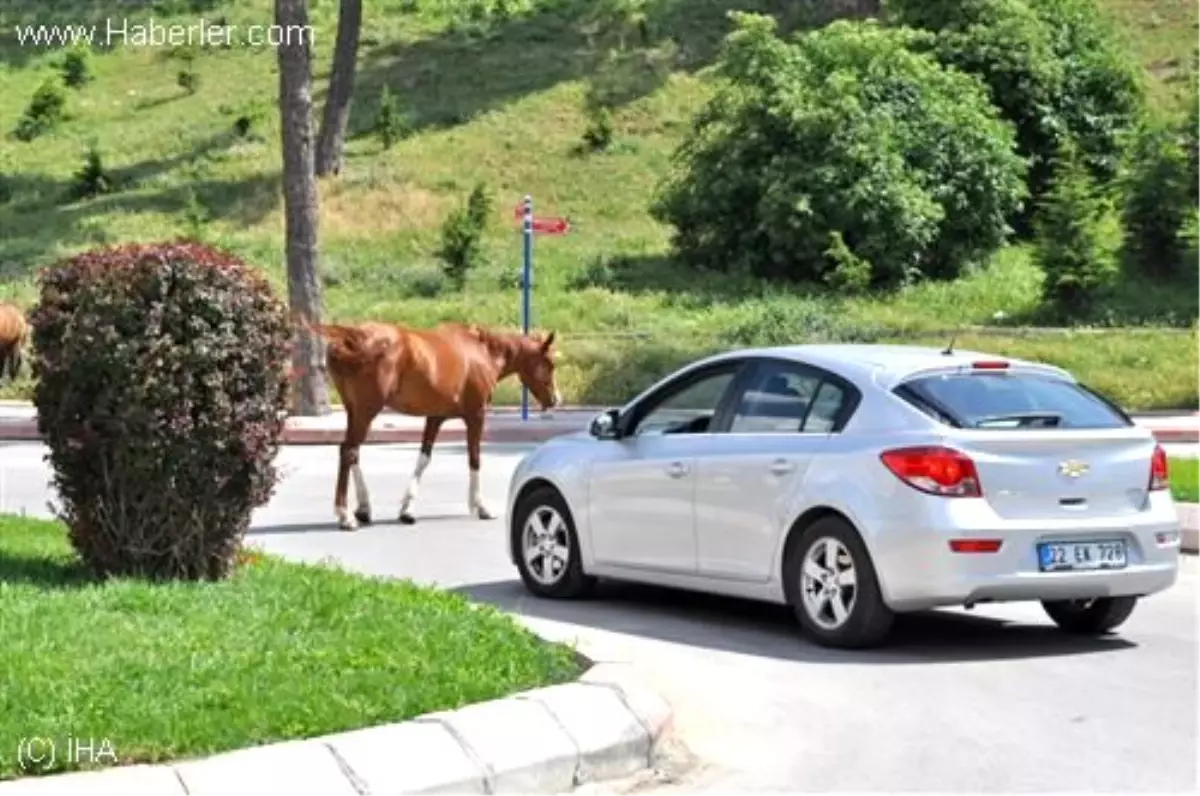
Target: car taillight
point(935, 470)
point(1160, 476)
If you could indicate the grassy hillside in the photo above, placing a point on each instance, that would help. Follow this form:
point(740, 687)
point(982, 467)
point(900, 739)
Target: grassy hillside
point(502, 102)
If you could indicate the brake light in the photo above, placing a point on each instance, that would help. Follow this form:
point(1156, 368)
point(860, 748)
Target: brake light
point(935, 470)
point(1160, 476)
point(990, 364)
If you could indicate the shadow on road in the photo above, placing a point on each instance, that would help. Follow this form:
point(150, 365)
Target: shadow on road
point(764, 630)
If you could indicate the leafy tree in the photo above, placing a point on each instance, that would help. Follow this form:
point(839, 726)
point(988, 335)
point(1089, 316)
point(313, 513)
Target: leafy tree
point(1054, 68)
point(1158, 199)
point(1068, 240)
point(849, 130)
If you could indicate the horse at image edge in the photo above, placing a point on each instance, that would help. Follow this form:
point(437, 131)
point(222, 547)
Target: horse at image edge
point(14, 334)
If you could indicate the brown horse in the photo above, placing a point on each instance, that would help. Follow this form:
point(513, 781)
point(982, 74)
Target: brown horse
point(439, 374)
point(14, 333)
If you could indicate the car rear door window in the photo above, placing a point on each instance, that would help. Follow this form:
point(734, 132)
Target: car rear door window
point(774, 401)
point(826, 406)
point(1010, 401)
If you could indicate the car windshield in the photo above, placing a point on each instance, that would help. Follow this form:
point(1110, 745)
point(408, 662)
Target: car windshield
point(1009, 401)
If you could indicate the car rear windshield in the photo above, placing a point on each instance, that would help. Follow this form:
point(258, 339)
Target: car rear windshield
point(1010, 401)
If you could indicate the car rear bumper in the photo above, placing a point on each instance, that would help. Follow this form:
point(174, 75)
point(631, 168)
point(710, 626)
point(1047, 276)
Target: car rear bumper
point(918, 569)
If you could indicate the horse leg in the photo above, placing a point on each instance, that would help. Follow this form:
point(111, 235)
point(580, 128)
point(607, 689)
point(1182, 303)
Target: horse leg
point(357, 425)
point(433, 425)
point(475, 504)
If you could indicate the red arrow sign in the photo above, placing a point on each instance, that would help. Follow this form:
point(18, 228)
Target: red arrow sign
point(551, 226)
point(547, 225)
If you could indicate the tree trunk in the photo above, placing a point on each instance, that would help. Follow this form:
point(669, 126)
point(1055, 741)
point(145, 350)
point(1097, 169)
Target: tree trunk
point(310, 393)
point(331, 142)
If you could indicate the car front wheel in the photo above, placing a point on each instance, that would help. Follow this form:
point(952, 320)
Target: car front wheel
point(1092, 617)
point(832, 587)
point(547, 547)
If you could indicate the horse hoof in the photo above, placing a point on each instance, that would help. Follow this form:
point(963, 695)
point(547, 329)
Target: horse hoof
point(484, 514)
point(347, 524)
point(363, 517)
point(407, 519)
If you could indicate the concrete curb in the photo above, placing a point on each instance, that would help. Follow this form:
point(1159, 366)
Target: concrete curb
point(1189, 526)
point(605, 726)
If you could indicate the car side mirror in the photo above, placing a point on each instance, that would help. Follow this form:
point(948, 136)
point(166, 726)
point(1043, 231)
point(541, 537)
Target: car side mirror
point(604, 426)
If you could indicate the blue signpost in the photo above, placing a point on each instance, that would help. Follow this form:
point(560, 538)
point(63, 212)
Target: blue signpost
point(527, 290)
point(529, 225)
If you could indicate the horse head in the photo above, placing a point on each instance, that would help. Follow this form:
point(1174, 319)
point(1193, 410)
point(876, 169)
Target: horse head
point(535, 365)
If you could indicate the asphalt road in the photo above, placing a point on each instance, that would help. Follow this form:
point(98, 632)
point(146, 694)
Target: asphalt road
point(994, 699)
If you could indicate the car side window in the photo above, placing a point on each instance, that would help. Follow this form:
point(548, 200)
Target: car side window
point(775, 400)
point(826, 407)
point(690, 410)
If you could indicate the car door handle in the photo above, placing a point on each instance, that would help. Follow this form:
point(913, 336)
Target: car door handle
point(782, 467)
point(677, 469)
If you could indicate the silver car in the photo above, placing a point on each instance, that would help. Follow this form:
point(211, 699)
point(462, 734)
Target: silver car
point(855, 482)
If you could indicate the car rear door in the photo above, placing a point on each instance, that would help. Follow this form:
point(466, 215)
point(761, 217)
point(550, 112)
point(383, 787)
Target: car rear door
point(778, 422)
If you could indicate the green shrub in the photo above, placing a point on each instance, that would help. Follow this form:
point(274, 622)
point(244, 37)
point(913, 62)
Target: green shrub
point(845, 129)
point(46, 110)
point(598, 134)
point(76, 67)
point(1053, 68)
point(390, 124)
point(92, 179)
point(161, 385)
point(1068, 244)
point(462, 236)
point(850, 274)
point(1158, 200)
point(188, 79)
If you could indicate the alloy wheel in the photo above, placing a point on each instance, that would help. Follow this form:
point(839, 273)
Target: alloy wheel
point(828, 583)
point(545, 545)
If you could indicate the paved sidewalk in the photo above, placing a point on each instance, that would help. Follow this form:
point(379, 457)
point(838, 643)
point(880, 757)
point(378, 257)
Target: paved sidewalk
point(18, 422)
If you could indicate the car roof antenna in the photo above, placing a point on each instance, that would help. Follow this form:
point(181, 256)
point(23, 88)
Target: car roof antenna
point(949, 350)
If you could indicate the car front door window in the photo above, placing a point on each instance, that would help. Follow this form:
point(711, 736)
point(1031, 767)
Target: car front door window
point(690, 410)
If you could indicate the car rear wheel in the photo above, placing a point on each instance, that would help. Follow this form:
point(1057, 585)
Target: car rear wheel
point(831, 585)
point(547, 547)
point(1093, 617)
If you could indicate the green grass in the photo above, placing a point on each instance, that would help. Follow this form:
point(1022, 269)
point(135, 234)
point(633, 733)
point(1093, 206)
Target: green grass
point(1185, 480)
point(279, 651)
point(504, 105)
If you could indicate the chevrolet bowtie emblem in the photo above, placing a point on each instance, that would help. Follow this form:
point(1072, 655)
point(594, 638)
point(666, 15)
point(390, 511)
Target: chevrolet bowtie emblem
point(1073, 468)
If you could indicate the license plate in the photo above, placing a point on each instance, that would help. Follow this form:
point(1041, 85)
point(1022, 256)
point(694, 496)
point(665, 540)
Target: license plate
point(1056, 556)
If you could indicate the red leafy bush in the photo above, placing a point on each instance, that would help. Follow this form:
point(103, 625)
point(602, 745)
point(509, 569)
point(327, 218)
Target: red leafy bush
point(161, 390)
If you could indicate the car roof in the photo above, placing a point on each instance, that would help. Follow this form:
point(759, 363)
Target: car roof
point(885, 364)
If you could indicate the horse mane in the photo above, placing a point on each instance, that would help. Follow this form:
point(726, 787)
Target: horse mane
point(498, 342)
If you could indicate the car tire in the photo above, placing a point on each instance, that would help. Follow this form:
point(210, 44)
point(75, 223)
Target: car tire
point(1090, 617)
point(867, 620)
point(566, 581)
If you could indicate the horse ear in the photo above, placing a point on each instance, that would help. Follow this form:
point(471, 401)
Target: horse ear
point(549, 341)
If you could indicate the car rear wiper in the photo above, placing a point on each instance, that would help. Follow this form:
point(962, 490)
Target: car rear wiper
point(1052, 419)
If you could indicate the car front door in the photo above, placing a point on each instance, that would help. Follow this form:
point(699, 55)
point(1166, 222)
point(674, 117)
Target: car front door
point(641, 495)
point(778, 422)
